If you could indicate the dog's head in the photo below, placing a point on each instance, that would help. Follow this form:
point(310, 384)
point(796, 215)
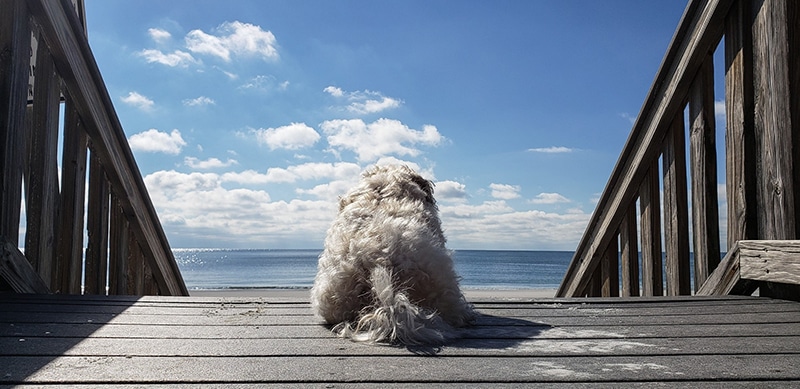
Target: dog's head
point(391, 181)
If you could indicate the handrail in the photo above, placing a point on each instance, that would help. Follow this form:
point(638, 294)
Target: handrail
point(685, 78)
point(125, 237)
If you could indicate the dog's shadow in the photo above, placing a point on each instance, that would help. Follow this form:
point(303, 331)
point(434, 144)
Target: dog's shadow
point(489, 332)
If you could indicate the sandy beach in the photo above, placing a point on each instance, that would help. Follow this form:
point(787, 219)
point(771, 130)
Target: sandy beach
point(303, 293)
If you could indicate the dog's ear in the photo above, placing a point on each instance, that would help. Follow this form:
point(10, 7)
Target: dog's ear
point(426, 186)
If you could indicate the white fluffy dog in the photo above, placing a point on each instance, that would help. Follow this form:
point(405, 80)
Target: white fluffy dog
point(385, 274)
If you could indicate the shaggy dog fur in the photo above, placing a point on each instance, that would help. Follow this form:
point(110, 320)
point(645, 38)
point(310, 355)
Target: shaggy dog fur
point(385, 274)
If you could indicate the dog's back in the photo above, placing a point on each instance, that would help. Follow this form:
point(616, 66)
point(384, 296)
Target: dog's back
point(385, 273)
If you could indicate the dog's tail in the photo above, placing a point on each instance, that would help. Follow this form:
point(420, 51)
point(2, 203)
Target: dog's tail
point(394, 318)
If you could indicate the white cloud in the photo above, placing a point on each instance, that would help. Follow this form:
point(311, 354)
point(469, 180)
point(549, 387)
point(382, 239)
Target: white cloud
point(159, 35)
point(155, 141)
point(549, 198)
point(450, 191)
point(198, 101)
point(210, 163)
point(234, 38)
point(364, 102)
point(139, 101)
point(176, 58)
point(264, 83)
point(197, 209)
point(389, 160)
point(495, 224)
point(552, 149)
point(628, 117)
point(310, 171)
point(330, 191)
point(504, 192)
point(334, 91)
point(373, 106)
point(719, 109)
point(291, 137)
point(380, 138)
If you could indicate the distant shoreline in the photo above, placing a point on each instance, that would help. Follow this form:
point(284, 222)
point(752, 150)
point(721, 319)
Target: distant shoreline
point(301, 292)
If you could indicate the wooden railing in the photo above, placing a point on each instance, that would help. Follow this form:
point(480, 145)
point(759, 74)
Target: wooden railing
point(126, 250)
point(762, 139)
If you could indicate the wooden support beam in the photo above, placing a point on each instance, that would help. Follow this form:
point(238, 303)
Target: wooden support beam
point(18, 272)
point(772, 261)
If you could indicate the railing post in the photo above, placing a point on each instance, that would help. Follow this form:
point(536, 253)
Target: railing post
point(629, 253)
point(776, 135)
point(609, 269)
point(97, 220)
point(650, 209)
point(15, 38)
point(773, 125)
point(73, 192)
point(42, 191)
point(740, 159)
point(703, 151)
point(676, 219)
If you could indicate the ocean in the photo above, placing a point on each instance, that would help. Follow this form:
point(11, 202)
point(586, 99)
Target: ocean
point(261, 268)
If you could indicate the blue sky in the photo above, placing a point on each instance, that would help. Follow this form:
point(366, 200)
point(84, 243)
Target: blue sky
point(249, 118)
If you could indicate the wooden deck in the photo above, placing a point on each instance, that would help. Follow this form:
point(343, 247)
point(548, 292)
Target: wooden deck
point(686, 341)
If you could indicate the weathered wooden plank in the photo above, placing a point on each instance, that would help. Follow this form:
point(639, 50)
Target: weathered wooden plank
point(650, 209)
point(42, 190)
point(15, 38)
point(698, 32)
point(630, 253)
point(64, 35)
point(703, 151)
point(740, 160)
point(676, 219)
point(773, 261)
point(188, 326)
point(396, 369)
point(586, 330)
point(73, 191)
point(332, 346)
point(207, 314)
point(793, 23)
point(101, 325)
point(704, 384)
point(772, 121)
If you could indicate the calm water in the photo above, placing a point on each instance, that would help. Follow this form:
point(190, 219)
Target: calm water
point(235, 268)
